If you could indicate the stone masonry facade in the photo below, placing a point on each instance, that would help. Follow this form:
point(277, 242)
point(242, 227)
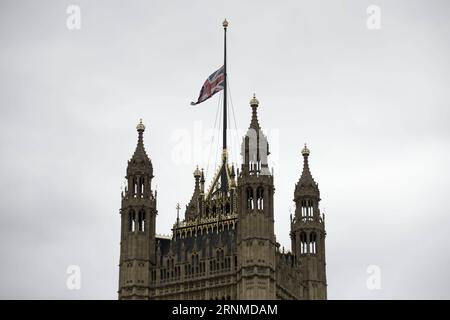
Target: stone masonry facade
point(225, 247)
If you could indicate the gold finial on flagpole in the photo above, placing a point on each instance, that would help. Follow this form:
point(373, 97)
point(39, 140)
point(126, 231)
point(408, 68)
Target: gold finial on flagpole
point(225, 23)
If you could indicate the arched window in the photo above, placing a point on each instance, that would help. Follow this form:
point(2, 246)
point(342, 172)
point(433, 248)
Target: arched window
point(141, 186)
point(303, 243)
point(134, 187)
point(307, 209)
point(310, 208)
point(131, 221)
point(303, 207)
point(141, 220)
point(312, 242)
point(250, 198)
point(260, 198)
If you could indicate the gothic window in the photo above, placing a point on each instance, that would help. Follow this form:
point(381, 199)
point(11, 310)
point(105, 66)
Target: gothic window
point(303, 243)
point(141, 220)
point(134, 187)
point(312, 242)
point(132, 221)
point(260, 198)
point(250, 198)
point(310, 208)
point(307, 208)
point(303, 208)
point(141, 187)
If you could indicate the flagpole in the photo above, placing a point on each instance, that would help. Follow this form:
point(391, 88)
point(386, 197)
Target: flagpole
point(224, 149)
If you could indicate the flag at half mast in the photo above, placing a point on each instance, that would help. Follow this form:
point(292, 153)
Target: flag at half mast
point(216, 82)
point(212, 85)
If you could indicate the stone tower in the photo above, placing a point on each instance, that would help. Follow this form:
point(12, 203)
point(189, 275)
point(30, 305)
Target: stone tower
point(225, 247)
point(255, 229)
point(138, 219)
point(308, 234)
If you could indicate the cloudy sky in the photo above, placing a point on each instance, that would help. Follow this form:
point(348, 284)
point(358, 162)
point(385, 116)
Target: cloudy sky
point(372, 104)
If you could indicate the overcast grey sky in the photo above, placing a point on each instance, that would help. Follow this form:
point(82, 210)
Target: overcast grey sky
point(373, 106)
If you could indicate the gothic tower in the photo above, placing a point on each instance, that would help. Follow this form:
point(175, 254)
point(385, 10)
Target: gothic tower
point(255, 229)
point(308, 234)
point(138, 218)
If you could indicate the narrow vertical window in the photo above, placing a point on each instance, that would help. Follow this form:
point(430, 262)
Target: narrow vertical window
point(260, 198)
point(141, 220)
point(132, 221)
point(141, 187)
point(303, 244)
point(250, 203)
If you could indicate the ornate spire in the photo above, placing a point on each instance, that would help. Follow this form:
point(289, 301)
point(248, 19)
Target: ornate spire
point(305, 151)
point(306, 183)
point(139, 153)
point(197, 172)
point(197, 175)
point(192, 209)
point(254, 103)
point(202, 182)
point(140, 126)
point(140, 163)
point(255, 148)
point(306, 177)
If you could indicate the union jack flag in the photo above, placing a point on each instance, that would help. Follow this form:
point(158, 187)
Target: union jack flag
point(212, 85)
